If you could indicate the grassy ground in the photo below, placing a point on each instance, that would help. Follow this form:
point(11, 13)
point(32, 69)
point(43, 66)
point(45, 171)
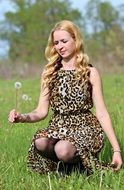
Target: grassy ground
point(15, 140)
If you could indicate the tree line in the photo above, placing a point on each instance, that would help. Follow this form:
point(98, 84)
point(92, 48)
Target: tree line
point(27, 28)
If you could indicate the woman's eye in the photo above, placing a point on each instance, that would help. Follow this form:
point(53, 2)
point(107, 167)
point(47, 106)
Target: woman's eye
point(64, 41)
point(55, 43)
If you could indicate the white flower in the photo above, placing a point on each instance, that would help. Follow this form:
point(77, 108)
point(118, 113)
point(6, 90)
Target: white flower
point(25, 97)
point(18, 85)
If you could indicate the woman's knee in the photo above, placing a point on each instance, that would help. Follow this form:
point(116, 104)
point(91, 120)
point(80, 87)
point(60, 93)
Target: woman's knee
point(41, 144)
point(64, 150)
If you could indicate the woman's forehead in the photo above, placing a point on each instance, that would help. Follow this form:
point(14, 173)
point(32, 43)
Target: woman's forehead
point(58, 34)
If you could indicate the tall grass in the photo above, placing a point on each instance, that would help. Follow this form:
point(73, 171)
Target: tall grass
point(15, 140)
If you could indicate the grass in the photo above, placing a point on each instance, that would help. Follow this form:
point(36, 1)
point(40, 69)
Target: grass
point(15, 140)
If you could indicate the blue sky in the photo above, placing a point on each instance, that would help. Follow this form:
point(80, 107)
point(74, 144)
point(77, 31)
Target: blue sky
point(5, 6)
point(81, 3)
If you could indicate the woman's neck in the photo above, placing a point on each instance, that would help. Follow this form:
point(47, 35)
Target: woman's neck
point(68, 64)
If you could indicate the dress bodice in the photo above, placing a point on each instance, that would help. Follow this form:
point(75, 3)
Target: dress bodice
point(68, 95)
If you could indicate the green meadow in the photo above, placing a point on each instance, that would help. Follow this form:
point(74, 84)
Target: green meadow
point(15, 140)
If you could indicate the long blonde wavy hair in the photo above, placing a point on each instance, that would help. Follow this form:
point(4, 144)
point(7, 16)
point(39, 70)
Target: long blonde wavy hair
point(52, 56)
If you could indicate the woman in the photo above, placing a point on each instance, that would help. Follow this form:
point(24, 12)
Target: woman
point(71, 87)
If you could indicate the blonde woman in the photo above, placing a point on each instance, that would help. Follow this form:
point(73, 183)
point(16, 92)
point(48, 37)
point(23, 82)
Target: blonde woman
point(70, 86)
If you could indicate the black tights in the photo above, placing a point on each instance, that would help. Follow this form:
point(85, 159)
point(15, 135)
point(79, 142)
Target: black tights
point(56, 149)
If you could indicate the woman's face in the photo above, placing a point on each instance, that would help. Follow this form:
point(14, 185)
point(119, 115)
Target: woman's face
point(64, 44)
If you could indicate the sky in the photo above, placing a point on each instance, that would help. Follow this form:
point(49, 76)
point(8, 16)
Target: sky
point(80, 4)
point(5, 6)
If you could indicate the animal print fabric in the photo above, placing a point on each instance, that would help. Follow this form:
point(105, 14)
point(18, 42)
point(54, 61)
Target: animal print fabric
point(71, 120)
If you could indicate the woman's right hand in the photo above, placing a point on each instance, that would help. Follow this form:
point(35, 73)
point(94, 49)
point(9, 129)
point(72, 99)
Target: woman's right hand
point(13, 116)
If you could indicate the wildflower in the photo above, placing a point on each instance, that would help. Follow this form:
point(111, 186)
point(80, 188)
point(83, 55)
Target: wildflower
point(25, 97)
point(18, 85)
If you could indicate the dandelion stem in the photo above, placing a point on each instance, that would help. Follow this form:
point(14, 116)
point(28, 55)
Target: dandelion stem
point(16, 100)
point(17, 85)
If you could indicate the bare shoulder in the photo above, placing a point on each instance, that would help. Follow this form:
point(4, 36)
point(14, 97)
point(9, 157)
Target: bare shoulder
point(94, 75)
point(93, 71)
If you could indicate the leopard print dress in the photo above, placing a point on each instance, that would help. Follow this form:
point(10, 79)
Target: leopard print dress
point(71, 120)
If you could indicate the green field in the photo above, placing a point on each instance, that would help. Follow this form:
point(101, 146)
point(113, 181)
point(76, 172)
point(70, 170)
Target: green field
point(15, 140)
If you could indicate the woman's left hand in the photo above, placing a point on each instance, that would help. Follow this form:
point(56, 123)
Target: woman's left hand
point(117, 160)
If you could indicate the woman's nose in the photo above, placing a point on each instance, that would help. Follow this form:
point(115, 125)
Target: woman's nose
point(60, 46)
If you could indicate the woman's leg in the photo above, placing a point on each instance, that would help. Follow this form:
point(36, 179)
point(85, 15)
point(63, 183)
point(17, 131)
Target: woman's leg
point(66, 152)
point(45, 146)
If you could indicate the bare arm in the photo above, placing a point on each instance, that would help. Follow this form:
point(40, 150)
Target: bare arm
point(36, 115)
point(103, 115)
point(40, 112)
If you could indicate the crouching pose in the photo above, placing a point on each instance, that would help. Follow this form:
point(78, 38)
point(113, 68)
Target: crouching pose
point(70, 86)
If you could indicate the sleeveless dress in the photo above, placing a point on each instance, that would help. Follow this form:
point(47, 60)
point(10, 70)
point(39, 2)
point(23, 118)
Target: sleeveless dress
point(71, 120)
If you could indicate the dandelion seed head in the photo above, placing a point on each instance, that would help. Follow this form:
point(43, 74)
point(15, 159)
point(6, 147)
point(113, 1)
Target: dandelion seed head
point(25, 97)
point(18, 85)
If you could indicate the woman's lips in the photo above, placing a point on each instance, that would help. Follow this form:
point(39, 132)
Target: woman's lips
point(62, 52)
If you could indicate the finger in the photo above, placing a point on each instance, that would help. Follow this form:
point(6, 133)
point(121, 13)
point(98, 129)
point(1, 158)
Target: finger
point(113, 165)
point(11, 119)
point(12, 112)
point(116, 166)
